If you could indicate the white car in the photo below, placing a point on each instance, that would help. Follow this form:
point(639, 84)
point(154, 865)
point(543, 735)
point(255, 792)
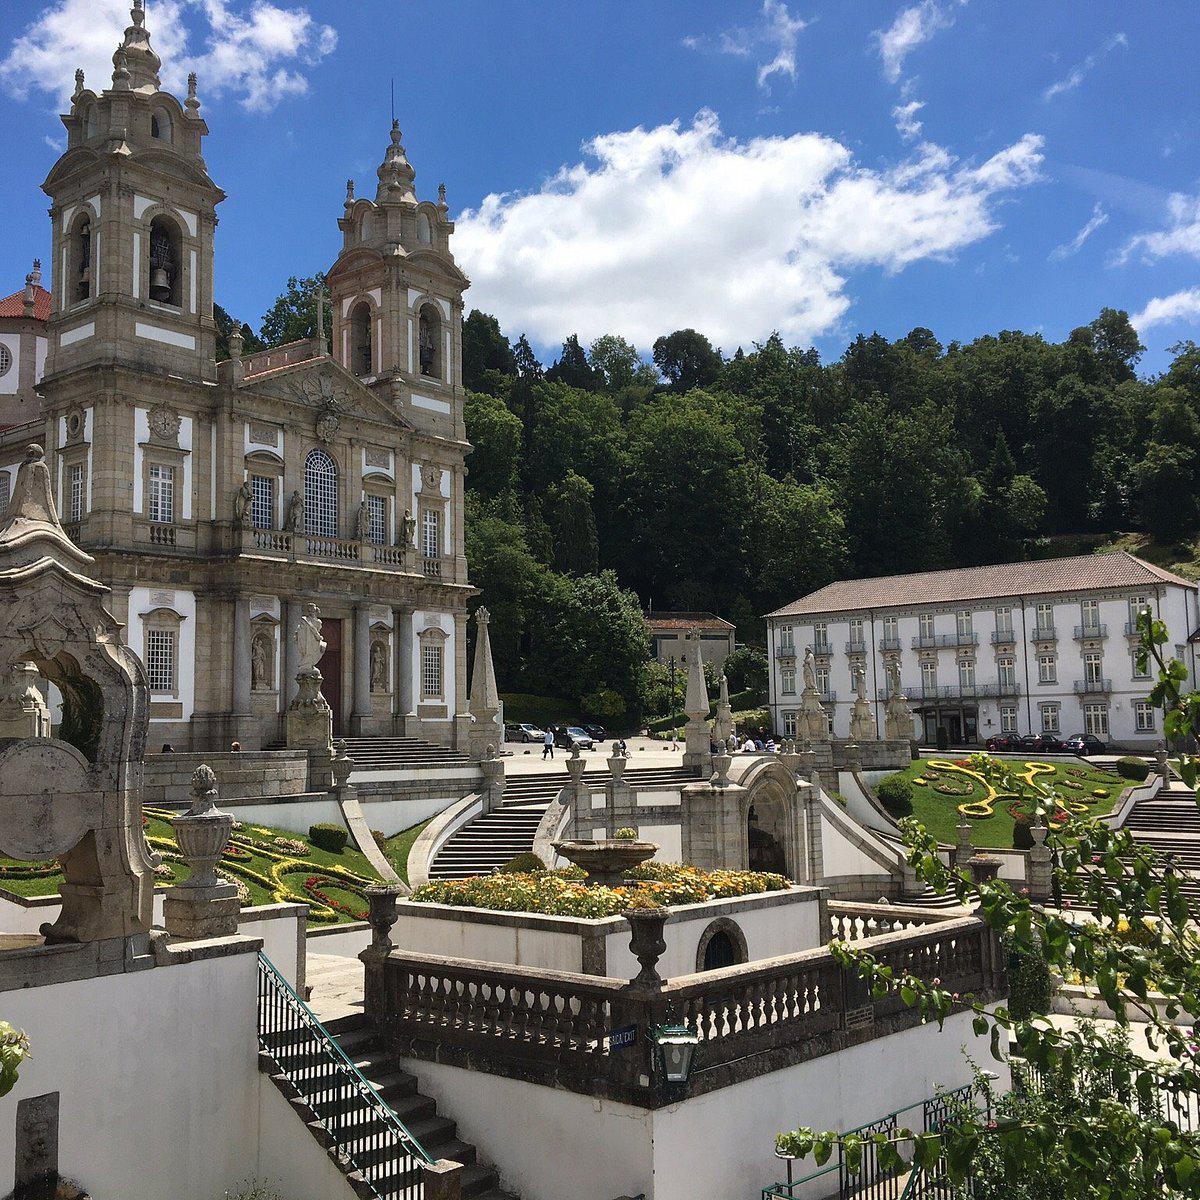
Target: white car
point(524, 732)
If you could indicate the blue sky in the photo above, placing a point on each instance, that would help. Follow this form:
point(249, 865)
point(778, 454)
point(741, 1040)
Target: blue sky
point(819, 168)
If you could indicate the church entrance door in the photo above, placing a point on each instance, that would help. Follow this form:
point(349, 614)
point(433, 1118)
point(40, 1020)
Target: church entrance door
point(330, 667)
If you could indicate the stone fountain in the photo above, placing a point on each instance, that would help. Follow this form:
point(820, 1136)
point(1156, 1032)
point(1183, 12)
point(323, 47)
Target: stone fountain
point(607, 861)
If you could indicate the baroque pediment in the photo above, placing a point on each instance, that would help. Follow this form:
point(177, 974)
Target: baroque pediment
point(329, 392)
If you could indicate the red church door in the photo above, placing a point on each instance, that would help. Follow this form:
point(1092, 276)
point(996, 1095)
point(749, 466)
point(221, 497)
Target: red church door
point(330, 667)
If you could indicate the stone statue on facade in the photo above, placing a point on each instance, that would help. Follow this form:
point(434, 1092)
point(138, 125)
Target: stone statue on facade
point(898, 724)
point(812, 720)
point(260, 663)
point(241, 503)
point(379, 665)
point(308, 722)
point(408, 530)
point(723, 722)
point(293, 518)
point(810, 670)
point(362, 522)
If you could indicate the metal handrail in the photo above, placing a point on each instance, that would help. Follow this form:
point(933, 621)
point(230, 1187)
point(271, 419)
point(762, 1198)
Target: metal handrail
point(327, 1078)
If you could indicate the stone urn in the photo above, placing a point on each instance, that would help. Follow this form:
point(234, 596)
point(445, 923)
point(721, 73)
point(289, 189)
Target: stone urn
point(606, 862)
point(647, 942)
point(202, 832)
point(983, 867)
point(382, 914)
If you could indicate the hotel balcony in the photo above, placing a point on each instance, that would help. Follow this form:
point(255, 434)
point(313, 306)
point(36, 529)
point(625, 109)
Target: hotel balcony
point(889, 643)
point(1004, 637)
point(933, 641)
point(859, 647)
point(822, 649)
point(785, 651)
point(1043, 633)
point(1083, 632)
point(1093, 687)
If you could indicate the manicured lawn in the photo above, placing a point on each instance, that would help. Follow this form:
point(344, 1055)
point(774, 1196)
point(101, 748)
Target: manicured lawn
point(289, 869)
point(1073, 780)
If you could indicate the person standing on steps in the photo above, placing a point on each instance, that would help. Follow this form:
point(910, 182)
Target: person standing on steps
point(548, 745)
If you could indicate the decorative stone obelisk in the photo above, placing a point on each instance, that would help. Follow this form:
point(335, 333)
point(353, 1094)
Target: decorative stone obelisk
point(485, 695)
point(697, 754)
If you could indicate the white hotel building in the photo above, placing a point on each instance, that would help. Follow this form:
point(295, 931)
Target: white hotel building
point(1025, 647)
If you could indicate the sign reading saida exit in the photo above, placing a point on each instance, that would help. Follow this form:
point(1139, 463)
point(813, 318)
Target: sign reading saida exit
point(620, 1038)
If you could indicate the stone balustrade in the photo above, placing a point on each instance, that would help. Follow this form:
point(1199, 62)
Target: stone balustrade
point(855, 922)
point(560, 1029)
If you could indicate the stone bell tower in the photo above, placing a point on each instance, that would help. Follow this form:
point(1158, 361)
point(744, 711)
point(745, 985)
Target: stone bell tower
point(397, 297)
point(133, 213)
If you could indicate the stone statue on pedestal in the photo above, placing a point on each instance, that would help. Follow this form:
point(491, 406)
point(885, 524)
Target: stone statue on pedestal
point(862, 720)
point(309, 719)
point(362, 523)
point(723, 723)
point(898, 723)
point(241, 503)
point(812, 719)
point(293, 520)
point(310, 645)
point(408, 530)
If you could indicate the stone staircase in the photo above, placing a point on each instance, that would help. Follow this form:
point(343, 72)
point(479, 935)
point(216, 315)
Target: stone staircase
point(493, 839)
point(401, 753)
point(1170, 823)
point(399, 1089)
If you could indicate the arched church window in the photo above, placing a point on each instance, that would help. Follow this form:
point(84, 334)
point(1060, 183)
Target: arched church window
point(430, 341)
point(81, 260)
point(320, 494)
point(424, 229)
point(361, 350)
point(90, 126)
point(366, 227)
point(160, 125)
point(166, 257)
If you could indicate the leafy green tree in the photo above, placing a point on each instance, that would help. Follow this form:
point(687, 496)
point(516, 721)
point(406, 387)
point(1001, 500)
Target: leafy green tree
point(528, 366)
point(293, 316)
point(495, 437)
point(225, 326)
point(687, 360)
point(573, 525)
point(573, 368)
point(745, 669)
point(1163, 489)
point(487, 358)
point(618, 364)
point(1116, 343)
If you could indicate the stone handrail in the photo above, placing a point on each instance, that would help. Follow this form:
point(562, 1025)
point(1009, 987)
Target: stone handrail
point(438, 832)
point(551, 828)
point(853, 922)
point(554, 1027)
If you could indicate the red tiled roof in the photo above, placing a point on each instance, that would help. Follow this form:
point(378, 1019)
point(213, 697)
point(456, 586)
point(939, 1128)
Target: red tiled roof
point(14, 305)
point(1085, 573)
point(688, 620)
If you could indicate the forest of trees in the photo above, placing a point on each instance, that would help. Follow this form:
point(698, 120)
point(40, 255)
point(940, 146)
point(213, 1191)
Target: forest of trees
point(602, 485)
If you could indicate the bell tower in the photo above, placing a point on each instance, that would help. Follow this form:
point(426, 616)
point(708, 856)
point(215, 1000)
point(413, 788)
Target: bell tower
point(397, 297)
point(133, 212)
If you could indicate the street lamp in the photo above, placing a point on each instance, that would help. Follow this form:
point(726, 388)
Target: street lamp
point(674, 1050)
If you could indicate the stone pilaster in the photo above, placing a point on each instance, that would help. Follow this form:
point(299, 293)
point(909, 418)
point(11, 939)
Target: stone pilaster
point(402, 631)
point(360, 718)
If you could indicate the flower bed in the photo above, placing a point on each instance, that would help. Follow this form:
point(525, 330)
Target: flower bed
point(561, 894)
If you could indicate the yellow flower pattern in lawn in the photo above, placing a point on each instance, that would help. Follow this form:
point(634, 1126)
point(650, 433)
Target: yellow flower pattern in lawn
point(560, 893)
point(985, 805)
point(316, 880)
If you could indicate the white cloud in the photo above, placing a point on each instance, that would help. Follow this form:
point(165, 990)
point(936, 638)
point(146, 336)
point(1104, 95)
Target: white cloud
point(1179, 306)
point(1074, 77)
point(1181, 236)
point(679, 225)
point(905, 116)
point(1097, 220)
point(256, 51)
point(913, 26)
point(772, 41)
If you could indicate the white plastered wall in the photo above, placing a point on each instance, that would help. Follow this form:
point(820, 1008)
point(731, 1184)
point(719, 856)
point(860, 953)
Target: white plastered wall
point(144, 600)
point(141, 435)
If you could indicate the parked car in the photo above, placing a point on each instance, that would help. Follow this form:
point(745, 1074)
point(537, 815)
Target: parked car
point(523, 732)
point(1003, 741)
point(596, 732)
point(1085, 743)
point(1041, 743)
point(570, 736)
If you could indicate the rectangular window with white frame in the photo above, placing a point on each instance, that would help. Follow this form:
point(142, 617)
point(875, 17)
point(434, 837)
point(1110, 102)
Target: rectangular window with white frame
point(1139, 672)
point(856, 631)
point(966, 675)
point(377, 513)
point(1137, 605)
point(925, 626)
point(1089, 611)
point(1004, 620)
point(820, 635)
point(788, 680)
point(822, 674)
point(432, 671)
point(160, 504)
point(789, 723)
point(891, 629)
point(929, 677)
point(1007, 670)
point(160, 660)
point(1093, 667)
point(1047, 668)
point(1008, 718)
point(966, 626)
point(431, 534)
point(1044, 618)
point(1095, 719)
point(262, 501)
point(787, 637)
point(77, 492)
point(1051, 718)
point(1143, 716)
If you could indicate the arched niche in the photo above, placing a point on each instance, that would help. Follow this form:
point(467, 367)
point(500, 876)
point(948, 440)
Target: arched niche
point(362, 349)
point(165, 263)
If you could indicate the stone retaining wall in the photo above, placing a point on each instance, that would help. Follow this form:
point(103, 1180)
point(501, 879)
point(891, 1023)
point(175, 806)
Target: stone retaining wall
point(167, 778)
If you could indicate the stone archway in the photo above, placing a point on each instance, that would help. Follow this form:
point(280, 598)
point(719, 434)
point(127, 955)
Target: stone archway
point(722, 944)
point(772, 822)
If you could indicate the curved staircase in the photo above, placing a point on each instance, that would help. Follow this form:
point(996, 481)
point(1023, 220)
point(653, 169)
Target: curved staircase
point(496, 837)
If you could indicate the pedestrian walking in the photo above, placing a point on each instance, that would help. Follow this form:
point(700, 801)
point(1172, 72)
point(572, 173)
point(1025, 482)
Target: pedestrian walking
point(548, 745)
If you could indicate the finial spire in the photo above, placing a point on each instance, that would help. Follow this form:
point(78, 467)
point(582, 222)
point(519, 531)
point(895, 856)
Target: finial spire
point(441, 195)
point(120, 71)
point(140, 62)
point(78, 80)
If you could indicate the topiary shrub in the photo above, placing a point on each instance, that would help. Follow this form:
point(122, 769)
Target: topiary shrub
point(1134, 769)
point(895, 794)
point(526, 863)
point(331, 838)
point(1022, 836)
point(1030, 988)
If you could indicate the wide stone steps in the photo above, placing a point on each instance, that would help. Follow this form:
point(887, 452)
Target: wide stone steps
point(497, 837)
point(398, 753)
point(399, 1089)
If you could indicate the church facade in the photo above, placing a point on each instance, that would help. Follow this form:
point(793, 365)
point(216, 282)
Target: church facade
point(220, 499)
